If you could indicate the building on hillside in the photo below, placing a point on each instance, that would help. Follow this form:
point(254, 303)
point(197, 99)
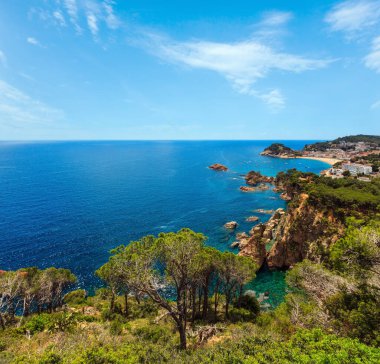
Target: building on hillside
point(356, 169)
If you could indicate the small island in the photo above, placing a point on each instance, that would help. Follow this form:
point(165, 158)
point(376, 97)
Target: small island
point(218, 167)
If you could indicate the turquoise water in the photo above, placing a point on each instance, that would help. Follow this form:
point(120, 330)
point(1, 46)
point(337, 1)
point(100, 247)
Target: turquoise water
point(68, 203)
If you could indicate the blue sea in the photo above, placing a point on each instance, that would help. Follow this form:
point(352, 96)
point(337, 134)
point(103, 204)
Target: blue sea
point(66, 204)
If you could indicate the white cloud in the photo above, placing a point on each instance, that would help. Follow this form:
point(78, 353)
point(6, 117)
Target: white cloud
point(372, 60)
point(241, 63)
point(276, 18)
point(375, 105)
point(3, 59)
point(111, 19)
point(17, 108)
point(92, 22)
point(353, 17)
point(72, 10)
point(33, 41)
point(58, 16)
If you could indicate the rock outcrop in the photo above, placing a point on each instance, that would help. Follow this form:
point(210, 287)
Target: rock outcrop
point(252, 219)
point(231, 225)
point(304, 231)
point(218, 167)
point(260, 235)
point(253, 178)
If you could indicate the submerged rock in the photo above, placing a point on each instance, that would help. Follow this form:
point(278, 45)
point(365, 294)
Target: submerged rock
point(247, 189)
point(252, 219)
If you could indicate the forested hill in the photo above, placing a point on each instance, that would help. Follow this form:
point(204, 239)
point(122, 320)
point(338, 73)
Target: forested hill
point(372, 140)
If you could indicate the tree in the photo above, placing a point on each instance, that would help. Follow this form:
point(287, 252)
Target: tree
point(234, 272)
point(163, 268)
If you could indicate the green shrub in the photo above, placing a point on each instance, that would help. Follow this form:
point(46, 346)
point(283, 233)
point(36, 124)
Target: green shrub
point(241, 315)
point(76, 297)
point(36, 323)
point(50, 358)
point(249, 303)
point(153, 333)
point(61, 321)
point(116, 327)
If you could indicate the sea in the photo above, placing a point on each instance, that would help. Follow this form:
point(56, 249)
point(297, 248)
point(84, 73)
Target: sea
point(67, 204)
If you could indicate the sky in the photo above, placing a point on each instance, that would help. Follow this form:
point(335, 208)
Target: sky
point(139, 69)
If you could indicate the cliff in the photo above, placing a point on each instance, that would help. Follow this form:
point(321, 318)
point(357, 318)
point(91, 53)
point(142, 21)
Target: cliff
point(303, 232)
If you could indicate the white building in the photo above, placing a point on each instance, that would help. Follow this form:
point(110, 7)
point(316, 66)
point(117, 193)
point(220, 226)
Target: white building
point(356, 169)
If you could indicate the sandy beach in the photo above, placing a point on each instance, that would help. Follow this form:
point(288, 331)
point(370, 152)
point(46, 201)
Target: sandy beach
point(330, 161)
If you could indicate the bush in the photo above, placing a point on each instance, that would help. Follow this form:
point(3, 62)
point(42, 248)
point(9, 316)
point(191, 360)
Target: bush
point(153, 334)
point(77, 297)
point(249, 303)
point(51, 358)
point(36, 323)
point(241, 314)
point(116, 327)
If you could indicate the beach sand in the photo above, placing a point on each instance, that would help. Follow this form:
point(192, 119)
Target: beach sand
point(330, 161)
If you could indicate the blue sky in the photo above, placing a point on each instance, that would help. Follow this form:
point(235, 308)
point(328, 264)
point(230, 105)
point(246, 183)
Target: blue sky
point(137, 69)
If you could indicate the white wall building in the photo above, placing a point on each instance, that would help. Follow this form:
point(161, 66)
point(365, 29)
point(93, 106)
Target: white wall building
point(356, 169)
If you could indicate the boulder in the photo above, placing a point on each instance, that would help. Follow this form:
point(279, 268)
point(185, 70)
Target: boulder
point(231, 225)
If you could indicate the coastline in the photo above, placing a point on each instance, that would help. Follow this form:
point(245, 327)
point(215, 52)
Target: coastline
point(330, 161)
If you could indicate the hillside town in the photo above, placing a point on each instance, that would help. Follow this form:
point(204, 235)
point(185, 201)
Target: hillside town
point(357, 156)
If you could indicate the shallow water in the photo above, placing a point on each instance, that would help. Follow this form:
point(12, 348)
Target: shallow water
point(66, 204)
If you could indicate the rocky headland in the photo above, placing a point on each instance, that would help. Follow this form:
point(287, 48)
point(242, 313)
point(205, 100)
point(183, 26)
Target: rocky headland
point(279, 150)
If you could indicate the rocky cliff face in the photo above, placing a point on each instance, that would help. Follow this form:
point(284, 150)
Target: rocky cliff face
point(260, 235)
point(303, 232)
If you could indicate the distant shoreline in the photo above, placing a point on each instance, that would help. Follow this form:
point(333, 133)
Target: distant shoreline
point(330, 161)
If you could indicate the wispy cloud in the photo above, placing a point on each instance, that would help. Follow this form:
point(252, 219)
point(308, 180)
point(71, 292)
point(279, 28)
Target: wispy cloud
point(3, 59)
point(72, 11)
point(92, 22)
point(372, 60)
point(58, 16)
point(276, 18)
point(18, 108)
point(111, 19)
point(375, 105)
point(93, 12)
point(33, 41)
point(241, 63)
point(353, 17)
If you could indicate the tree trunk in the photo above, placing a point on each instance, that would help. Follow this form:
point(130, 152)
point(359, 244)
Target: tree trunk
point(240, 294)
point(182, 336)
point(205, 299)
point(227, 304)
point(112, 304)
point(2, 323)
point(216, 300)
point(193, 304)
point(126, 308)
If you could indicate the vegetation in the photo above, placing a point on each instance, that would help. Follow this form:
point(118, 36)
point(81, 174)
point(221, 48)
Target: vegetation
point(373, 140)
point(278, 149)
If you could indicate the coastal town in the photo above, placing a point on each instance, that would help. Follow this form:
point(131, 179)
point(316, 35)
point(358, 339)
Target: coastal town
point(357, 156)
